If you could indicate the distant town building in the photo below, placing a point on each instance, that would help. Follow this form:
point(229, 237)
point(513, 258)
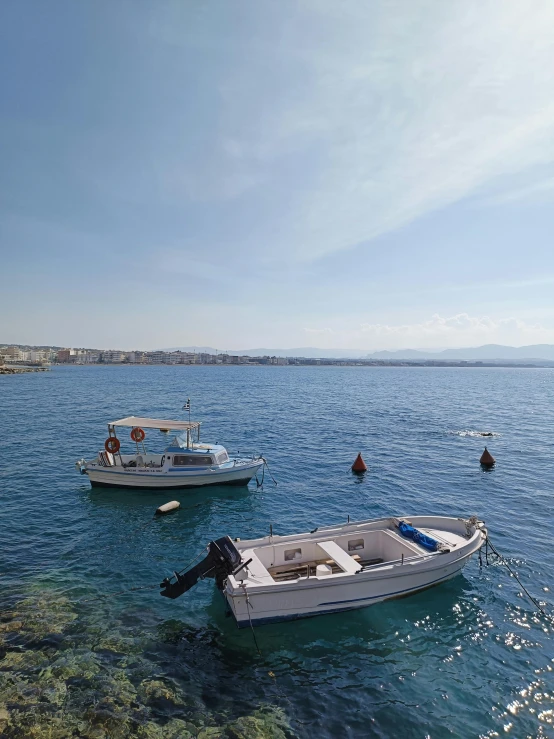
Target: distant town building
point(138, 357)
point(113, 356)
point(66, 355)
point(160, 357)
point(13, 354)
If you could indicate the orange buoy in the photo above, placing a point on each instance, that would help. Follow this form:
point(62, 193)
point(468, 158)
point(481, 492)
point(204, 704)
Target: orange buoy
point(359, 464)
point(137, 434)
point(112, 445)
point(487, 460)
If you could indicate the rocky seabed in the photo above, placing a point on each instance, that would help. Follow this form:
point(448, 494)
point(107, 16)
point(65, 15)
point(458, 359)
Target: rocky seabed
point(63, 676)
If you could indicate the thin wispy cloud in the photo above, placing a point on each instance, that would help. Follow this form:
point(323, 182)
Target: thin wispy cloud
point(405, 107)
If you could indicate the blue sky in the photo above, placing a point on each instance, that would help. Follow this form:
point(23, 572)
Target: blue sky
point(280, 174)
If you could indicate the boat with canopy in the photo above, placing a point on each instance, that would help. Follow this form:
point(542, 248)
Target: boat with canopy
point(335, 568)
point(185, 462)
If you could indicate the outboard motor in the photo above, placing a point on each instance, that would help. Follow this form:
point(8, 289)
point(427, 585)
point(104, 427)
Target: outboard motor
point(223, 560)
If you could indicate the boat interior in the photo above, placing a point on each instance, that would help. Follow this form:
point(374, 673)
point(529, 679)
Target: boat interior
point(143, 459)
point(107, 459)
point(334, 555)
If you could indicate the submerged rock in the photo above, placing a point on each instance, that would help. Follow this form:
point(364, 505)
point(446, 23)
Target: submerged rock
point(268, 723)
point(11, 626)
point(151, 691)
point(4, 718)
point(72, 663)
point(33, 725)
point(211, 732)
point(40, 615)
point(23, 660)
point(116, 644)
point(70, 672)
point(55, 693)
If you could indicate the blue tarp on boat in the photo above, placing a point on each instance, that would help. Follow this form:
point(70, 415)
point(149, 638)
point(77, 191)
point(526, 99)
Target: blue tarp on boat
point(422, 539)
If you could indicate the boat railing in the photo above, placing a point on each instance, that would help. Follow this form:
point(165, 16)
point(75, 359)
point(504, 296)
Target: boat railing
point(245, 456)
point(352, 524)
point(403, 560)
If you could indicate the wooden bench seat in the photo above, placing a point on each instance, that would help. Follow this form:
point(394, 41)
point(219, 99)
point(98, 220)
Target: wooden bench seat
point(342, 558)
point(293, 571)
point(302, 565)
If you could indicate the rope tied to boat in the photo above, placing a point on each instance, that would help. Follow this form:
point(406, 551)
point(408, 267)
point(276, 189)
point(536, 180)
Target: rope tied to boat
point(271, 674)
point(502, 560)
point(264, 467)
point(243, 586)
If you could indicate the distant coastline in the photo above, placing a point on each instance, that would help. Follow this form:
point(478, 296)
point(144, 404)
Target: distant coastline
point(327, 363)
point(491, 355)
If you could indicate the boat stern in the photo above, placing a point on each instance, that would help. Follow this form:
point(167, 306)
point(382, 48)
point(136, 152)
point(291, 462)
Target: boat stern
point(81, 466)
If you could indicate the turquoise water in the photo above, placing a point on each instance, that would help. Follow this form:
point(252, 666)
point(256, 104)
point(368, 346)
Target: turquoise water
point(469, 658)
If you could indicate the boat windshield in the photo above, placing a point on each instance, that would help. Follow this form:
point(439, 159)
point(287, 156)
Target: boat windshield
point(181, 440)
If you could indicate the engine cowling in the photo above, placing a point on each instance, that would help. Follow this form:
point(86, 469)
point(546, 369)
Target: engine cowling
point(222, 559)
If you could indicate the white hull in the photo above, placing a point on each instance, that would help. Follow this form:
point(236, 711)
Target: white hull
point(147, 477)
point(259, 599)
point(185, 463)
point(318, 599)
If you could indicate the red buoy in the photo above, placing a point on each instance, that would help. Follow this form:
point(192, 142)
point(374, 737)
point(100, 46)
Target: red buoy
point(359, 464)
point(487, 460)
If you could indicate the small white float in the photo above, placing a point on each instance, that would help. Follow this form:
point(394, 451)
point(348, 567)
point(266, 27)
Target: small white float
point(336, 568)
point(166, 508)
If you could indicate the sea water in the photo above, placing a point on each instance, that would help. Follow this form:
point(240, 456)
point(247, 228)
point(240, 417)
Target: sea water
point(85, 653)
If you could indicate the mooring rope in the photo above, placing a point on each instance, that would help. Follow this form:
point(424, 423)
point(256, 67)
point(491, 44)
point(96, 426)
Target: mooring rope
point(270, 673)
point(504, 561)
point(250, 620)
point(266, 465)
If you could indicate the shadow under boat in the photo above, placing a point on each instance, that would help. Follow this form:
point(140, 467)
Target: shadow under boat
point(115, 498)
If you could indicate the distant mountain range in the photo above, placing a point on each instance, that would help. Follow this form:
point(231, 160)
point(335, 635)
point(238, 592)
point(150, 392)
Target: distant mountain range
point(488, 352)
point(304, 351)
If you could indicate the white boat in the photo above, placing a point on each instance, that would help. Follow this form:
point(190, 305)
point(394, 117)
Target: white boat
point(184, 463)
point(336, 568)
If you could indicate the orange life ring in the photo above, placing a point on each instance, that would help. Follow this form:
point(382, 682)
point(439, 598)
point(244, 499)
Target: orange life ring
point(137, 434)
point(112, 445)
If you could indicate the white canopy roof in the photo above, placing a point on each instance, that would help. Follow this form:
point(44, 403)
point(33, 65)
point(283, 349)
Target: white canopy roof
point(156, 423)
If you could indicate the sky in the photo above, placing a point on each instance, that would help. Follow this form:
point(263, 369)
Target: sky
point(353, 175)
